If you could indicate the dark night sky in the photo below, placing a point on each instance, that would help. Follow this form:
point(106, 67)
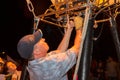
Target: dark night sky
point(16, 21)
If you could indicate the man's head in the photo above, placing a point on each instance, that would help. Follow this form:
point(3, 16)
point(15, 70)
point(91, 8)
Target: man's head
point(11, 66)
point(26, 44)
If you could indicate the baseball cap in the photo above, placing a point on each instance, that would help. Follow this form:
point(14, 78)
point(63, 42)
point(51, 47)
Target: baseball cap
point(26, 44)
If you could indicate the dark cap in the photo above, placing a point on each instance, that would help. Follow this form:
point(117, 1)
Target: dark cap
point(26, 44)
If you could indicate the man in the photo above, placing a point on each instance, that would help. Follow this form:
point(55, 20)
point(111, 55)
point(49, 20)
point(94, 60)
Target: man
point(12, 72)
point(55, 64)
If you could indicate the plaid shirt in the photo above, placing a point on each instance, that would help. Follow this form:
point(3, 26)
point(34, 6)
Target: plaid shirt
point(52, 67)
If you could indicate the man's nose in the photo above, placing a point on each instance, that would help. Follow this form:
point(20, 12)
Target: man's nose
point(43, 39)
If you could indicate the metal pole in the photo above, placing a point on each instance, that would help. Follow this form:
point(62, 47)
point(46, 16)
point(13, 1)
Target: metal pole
point(84, 31)
point(24, 74)
point(84, 68)
point(114, 32)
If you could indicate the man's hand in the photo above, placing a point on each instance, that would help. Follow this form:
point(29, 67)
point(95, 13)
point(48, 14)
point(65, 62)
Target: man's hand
point(69, 25)
point(78, 22)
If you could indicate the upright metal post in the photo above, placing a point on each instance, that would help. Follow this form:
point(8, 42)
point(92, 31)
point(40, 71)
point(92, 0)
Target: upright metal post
point(114, 32)
point(24, 74)
point(84, 57)
point(84, 68)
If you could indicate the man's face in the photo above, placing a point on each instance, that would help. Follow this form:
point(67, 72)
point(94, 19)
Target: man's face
point(11, 66)
point(40, 49)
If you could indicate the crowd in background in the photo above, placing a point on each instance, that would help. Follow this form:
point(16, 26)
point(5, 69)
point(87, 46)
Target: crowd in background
point(9, 70)
point(100, 70)
point(105, 70)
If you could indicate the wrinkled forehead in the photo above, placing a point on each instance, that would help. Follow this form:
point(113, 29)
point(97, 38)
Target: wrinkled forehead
point(39, 43)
